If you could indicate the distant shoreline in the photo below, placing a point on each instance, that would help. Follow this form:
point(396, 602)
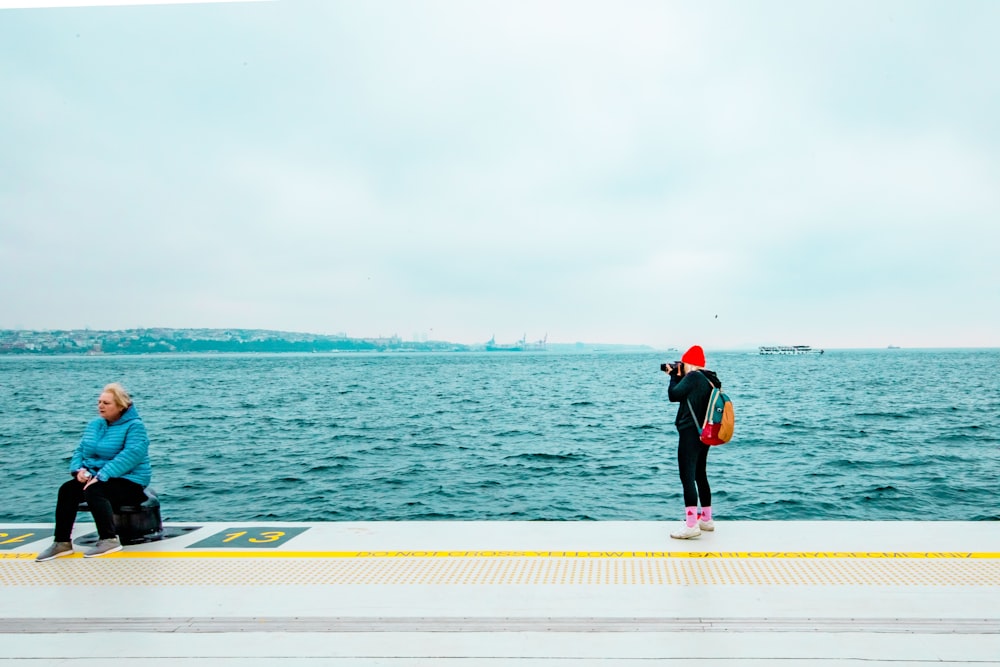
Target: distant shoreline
point(160, 341)
point(86, 342)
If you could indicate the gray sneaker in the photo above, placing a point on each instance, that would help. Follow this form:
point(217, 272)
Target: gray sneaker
point(103, 547)
point(55, 550)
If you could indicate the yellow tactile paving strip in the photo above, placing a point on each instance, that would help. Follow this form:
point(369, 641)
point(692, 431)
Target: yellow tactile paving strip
point(247, 569)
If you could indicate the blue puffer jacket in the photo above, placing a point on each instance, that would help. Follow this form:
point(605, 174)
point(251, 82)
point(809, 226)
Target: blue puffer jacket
point(119, 449)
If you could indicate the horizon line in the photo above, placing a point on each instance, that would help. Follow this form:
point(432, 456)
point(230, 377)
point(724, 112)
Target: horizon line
point(652, 347)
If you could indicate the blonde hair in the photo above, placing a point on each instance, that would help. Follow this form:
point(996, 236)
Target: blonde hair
point(120, 396)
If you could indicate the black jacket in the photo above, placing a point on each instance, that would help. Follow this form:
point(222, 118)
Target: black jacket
point(695, 387)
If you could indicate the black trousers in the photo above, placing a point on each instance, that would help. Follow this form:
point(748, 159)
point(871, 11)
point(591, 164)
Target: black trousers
point(102, 498)
point(692, 463)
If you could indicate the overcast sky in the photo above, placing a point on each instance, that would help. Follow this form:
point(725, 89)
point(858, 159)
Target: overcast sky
point(666, 173)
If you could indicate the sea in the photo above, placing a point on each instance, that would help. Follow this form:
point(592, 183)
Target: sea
point(891, 434)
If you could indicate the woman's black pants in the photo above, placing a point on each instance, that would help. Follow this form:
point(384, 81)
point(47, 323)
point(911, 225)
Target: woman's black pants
point(102, 498)
point(692, 461)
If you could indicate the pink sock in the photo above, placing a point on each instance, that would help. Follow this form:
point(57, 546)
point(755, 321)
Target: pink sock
point(691, 516)
point(706, 514)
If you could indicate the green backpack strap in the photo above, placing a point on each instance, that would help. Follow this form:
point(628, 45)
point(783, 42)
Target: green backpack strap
point(693, 417)
point(710, 396)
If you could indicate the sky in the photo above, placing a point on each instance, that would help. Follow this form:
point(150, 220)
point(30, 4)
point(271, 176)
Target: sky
point(664, 173)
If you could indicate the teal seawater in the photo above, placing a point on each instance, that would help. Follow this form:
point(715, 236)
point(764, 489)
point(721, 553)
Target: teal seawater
point(859, 435)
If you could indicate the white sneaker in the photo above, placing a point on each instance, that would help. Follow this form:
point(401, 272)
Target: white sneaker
point(707, 526)
point(686, 533)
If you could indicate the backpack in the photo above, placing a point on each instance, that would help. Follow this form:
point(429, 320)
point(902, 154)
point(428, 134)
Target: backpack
point(720, 418)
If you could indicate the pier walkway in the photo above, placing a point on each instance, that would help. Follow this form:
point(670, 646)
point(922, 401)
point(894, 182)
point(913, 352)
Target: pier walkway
point(509, 593)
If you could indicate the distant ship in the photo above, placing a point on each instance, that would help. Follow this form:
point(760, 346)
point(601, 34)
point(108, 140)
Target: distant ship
point(788, 349)
point(520, 346)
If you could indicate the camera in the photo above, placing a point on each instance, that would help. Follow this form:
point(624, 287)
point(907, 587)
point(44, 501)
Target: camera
point(678, 368)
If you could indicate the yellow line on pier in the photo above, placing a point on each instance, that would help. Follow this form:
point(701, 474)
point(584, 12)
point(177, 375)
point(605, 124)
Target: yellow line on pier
point(486, 554)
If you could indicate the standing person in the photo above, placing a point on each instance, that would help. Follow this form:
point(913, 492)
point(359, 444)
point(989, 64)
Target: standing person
point(691, 385)
point(109, 468)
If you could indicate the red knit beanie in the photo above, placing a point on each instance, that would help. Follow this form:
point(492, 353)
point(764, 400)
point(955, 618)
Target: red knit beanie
point(694, 356)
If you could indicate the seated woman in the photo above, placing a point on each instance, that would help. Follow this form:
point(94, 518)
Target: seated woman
point(109, 468)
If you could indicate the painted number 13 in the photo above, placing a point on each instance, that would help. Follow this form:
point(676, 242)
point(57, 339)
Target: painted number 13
point(268, 536)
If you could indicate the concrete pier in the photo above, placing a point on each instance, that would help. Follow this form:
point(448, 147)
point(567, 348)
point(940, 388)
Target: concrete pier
point(509, 593)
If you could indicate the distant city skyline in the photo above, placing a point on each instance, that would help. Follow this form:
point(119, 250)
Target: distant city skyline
point(164, 340)
point(655, 173)
point(84, 338)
